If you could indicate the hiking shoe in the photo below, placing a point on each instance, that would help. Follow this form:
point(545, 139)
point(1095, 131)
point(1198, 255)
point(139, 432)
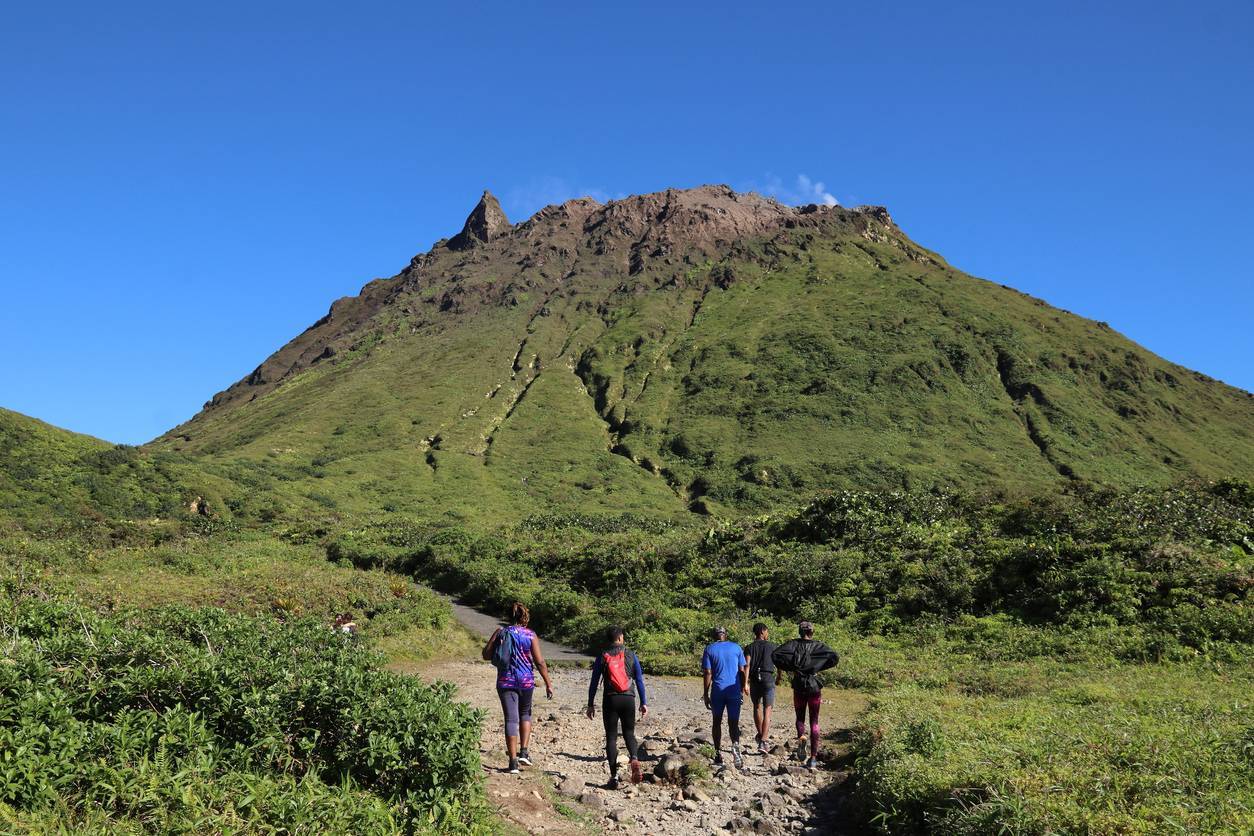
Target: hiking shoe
point(802, 747)
point(737, 758)
point(812, 764)
point(637, 774)
point(524, 757)
point(762, 747)
point(718, 758)
point(612, 784)
point(513, 766)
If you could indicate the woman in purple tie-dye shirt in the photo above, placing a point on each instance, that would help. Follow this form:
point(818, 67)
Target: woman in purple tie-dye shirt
point(515, 684)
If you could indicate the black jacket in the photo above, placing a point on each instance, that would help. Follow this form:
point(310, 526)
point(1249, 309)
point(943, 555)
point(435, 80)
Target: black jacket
point(792, 656)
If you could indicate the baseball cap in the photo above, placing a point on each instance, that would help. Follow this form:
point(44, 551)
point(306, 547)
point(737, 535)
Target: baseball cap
point(719, 631)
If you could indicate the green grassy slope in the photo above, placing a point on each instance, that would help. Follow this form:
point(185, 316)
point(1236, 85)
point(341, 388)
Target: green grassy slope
point(54, 480)
point(704, 351)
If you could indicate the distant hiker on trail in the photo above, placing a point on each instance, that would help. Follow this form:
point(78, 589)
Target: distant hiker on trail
point(806, 658)
point(623, 677)
point(344, 624)
point(513, 650)
point(723, 664)
point(763, 677)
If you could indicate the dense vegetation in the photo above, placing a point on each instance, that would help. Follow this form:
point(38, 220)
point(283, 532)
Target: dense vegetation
point(1167, 571)
point(198, 689)
point(1069, 662)
point(62, 484)
point(179, 720)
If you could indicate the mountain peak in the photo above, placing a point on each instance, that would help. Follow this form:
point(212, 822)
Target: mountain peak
point(486, 222)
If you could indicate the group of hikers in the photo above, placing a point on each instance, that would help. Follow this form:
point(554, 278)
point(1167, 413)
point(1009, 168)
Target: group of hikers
point(731, 673)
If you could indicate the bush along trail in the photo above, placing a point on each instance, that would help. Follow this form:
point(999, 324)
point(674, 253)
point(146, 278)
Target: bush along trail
point(1072, 662)
point(565, 790)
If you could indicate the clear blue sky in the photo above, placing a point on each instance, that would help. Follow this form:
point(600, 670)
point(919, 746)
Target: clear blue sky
point(185, 187)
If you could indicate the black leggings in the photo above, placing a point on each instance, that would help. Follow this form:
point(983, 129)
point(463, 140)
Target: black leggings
point(615, 709)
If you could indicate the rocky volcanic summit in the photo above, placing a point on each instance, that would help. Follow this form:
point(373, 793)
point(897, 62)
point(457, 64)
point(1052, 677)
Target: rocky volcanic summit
point(704, 350)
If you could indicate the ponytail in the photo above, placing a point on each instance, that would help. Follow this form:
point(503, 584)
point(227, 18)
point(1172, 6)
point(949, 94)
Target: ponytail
point(519, 614)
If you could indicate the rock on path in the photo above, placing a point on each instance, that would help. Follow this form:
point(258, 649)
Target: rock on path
point(564, 791)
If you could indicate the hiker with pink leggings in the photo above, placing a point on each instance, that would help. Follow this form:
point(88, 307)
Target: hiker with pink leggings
point(805, 658)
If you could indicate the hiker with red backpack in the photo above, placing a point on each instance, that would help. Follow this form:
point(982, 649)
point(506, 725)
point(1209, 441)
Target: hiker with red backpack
point(805, 658)
point(515, 651)
point(623, 676)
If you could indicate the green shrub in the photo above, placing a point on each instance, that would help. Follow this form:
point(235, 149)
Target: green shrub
point(151, 718)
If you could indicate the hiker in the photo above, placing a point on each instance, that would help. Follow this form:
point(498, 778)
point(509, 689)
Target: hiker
point(623, 677)
point(345, 624)
point(513, 650)
point(763, 677)
point(806, 658)
point(723, 664)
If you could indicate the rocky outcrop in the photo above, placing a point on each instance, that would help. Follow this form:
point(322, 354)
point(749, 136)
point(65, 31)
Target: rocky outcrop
point(486, 223)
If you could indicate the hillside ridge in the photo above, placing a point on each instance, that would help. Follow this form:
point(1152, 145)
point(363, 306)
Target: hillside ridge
point(711, 351)
point(646, 227)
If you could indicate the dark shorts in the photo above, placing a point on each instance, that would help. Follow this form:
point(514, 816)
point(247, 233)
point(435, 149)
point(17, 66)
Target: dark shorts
point(762, 692)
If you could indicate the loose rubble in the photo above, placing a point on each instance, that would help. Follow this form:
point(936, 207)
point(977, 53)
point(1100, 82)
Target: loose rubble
point(683, 791)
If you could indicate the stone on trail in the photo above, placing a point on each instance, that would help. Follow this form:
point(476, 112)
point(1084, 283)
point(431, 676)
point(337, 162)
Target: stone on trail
point(592, 799)
point(697, 794)
point(669, 768)
point(570, 787)
point(791, 769)
point(620, 815)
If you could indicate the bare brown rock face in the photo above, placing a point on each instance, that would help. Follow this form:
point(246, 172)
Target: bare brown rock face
point(486, 222)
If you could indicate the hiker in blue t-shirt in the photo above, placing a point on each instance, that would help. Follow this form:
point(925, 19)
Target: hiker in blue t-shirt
point(726, 684)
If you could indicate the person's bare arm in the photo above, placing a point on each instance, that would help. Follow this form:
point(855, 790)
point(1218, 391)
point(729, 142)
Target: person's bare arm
point(538, 655)
point(487, 648)
point(744, 679)
point(709, 680)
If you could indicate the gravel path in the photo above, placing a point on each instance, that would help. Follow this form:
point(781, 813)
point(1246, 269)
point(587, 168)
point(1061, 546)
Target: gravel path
point(564, 791)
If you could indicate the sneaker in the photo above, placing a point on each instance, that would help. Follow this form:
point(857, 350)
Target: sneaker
point(737, 758)
point(524, 757)
point(801, 747)
point(718, 758)
point(513, 766)
point(812, 764)
point(637, 774)
point(612, 784)
point(762, 747)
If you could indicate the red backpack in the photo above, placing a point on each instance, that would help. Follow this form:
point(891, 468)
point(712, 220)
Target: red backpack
point(616, 677)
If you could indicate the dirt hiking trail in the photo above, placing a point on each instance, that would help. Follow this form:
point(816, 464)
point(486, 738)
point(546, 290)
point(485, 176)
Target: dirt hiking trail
point(564, 791)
